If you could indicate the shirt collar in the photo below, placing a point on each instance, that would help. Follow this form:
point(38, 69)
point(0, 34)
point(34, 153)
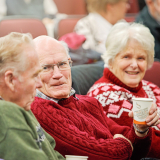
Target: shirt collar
point(43, 96)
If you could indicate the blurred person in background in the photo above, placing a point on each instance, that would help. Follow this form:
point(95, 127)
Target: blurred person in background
point(21, 136)
point(150, 17)
point(129, 53)
point(103, 14)
point(42, 9)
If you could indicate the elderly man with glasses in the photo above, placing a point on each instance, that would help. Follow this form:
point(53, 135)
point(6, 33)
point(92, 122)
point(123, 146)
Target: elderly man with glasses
point(78, 122)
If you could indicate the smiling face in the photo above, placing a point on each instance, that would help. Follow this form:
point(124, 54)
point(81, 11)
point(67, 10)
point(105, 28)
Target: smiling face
point(130, 65)
point(56, 83)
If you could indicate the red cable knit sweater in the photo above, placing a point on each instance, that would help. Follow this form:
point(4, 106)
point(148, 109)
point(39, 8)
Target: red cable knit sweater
point(80, 127)
point(116, 99)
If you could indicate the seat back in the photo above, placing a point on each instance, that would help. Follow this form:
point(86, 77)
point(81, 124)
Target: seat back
point(134, 6)
point(130, 17)
point(153, 74)
point(65, 25)
point(84, 76)
point(23, 25)
point(71, 7)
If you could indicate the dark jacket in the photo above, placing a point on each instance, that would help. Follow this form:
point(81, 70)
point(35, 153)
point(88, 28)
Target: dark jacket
point(145, 18)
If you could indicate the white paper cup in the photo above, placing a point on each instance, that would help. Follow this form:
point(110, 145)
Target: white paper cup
point(141, 107)
point(73, 157)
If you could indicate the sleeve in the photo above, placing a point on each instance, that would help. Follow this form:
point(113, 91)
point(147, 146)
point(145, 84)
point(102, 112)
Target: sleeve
point(84, 27)
point(53, 144)
point(69, 139)
point(153, 91)
point(137, 142)
point(3, 8)
point(19, 144)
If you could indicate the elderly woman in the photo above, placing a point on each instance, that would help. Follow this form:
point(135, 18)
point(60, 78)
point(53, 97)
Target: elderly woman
point(103, 14)
point(129, 53)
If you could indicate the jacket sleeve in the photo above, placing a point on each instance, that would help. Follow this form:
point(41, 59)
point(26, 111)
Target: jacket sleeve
point(53, 144)
point(84, 27)
point(19, 144)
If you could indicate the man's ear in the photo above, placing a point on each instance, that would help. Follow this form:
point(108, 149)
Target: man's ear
point(10, 79)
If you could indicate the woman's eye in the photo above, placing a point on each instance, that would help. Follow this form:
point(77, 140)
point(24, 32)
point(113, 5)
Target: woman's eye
point(141, 58)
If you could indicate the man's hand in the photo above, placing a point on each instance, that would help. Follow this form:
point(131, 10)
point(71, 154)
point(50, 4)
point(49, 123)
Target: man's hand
point(121, 136)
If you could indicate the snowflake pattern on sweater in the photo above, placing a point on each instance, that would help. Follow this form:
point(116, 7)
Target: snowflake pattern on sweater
point(117, 100)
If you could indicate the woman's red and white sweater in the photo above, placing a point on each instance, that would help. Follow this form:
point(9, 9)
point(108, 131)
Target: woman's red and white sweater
point(116, 98)
point(80, 127)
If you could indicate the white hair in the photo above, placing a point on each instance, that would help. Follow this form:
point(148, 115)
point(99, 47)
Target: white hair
point(119, 36)
point(64, 44)
point(12, 52)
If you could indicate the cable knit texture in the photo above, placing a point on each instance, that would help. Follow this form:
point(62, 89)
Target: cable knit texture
point(80, 127)
point(116, 99)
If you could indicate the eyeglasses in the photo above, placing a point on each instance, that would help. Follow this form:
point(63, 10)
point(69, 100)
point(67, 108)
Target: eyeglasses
point(61, 65)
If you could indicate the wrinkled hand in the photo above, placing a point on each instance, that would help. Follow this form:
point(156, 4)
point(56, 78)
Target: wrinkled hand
point(121, 136)
point(151, 120)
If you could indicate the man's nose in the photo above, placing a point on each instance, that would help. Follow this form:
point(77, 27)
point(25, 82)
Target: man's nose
point(57, 73)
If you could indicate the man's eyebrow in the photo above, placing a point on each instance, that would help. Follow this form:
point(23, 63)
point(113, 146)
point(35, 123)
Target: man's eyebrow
point(36, 73)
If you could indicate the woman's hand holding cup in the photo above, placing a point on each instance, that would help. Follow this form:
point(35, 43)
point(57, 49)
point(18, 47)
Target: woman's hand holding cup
point(141, 128)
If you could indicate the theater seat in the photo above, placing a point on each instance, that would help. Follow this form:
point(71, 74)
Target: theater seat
point(153, 74)
point(23, 25)
point(84, 76)
point(66, 25)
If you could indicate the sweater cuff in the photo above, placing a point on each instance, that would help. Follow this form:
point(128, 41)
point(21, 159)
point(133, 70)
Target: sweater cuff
point(141, 145)
point(148, 137)
point(129, 148)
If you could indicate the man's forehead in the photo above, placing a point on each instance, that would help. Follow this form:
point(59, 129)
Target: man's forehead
point(53, 47)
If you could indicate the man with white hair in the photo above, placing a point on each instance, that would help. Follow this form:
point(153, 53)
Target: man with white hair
point(78, 122)
point(21, 136)
point(150, 17)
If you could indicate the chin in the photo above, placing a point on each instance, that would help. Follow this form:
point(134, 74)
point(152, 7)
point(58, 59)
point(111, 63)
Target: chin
point(60, 96)
point(132, 85)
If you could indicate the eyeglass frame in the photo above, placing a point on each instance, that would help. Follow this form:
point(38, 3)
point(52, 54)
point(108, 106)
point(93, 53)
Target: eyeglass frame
point(58, 65)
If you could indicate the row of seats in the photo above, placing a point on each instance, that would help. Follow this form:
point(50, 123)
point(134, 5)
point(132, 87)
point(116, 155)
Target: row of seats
point(36, 27)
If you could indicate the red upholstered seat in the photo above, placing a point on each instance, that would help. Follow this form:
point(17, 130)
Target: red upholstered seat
point(153, 74)
point(22, 25)
point(66, 25)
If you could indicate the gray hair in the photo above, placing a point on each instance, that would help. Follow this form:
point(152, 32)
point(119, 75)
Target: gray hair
point(64, 44)
point(11, 52)
point(99, 5)
point(119, 36)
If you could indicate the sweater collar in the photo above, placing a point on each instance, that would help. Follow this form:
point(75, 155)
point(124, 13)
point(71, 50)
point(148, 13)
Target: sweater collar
point(109, 75)
point(43, 96)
